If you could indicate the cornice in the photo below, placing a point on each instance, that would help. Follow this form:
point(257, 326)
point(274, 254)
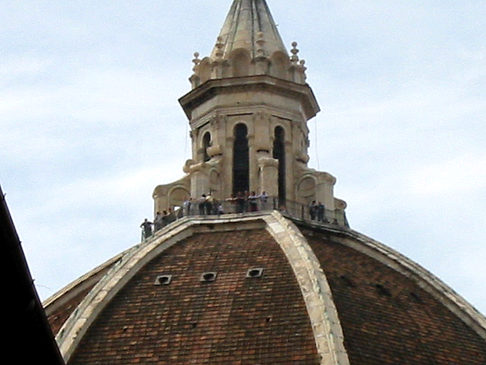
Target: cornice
point(214, 87)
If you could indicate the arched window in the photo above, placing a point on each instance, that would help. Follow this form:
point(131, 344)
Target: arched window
point(206, 143)
point(241, 161)
point(279, 154)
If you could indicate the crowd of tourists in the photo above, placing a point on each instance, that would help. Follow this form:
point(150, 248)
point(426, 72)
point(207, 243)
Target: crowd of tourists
point(160, 221)
point(241, 202)
point(207, 204)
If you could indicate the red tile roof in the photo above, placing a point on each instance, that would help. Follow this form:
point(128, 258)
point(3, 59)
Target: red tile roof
point(231, 320)
point(386, 317)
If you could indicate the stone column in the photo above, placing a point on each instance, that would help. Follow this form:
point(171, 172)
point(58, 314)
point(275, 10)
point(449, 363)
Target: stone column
point(199, 180)
point(268, 174)
point(227, 164)
point(289, 169)
point(325, 189)
point(252, 155)
point(160, 198)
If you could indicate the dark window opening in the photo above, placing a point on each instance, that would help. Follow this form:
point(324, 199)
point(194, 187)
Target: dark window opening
point(241, 161)
point(208, 277)
point(382, 290)
point(163, 280)
point(206, 144)
point(254, 273)
point(279, 154)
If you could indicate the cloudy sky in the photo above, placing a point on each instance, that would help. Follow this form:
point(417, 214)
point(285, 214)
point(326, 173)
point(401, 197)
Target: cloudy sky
point(90, 122)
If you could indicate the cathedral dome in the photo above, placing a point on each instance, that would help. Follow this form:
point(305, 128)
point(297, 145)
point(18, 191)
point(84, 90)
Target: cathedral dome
point(264, 288)
point(278, 280)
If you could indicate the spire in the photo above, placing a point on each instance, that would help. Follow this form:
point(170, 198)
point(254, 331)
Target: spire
point(249, 44)
point(249, 26)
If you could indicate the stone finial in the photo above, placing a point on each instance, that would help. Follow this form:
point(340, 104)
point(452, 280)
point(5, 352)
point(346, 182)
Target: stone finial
point(196, 61)
point(295, 51)
point(219, 47)
point(303, 68)
point(260, 52)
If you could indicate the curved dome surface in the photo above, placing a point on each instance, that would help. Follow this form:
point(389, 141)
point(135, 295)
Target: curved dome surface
point(274, 293)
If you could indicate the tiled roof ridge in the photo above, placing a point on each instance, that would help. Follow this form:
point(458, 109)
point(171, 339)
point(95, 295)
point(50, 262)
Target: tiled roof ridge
point(315, 288)
point(76, 286)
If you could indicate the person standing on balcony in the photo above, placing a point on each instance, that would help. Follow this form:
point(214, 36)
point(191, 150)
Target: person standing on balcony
point(313, 210)
point(209, 204)
point(240, 202)
point(263, 200)
point(187, 206)
point(246, 205)
point(220, 209)
point(253, 201)
point(158, 222)
point(171, 217)
point(146, 229)
point(232, 201)
point(321, 212)
point(202, 204)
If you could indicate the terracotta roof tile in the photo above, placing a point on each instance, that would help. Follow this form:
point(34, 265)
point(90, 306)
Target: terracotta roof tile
point(386, 317)
point(233, 320)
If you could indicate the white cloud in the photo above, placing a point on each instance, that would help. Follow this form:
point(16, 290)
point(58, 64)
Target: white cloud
point(20, 66)
point(463, 174)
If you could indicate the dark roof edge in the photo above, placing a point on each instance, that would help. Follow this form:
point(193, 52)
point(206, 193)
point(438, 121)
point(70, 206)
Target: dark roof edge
point(25, 315)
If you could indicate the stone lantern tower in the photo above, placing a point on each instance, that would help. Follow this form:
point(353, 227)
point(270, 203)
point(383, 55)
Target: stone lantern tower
point(248, 111)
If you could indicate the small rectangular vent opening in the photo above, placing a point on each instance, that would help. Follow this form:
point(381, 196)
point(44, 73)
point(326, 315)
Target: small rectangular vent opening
point(383, 290)
point(255, 272)
point(163, 280)
point(208, 277)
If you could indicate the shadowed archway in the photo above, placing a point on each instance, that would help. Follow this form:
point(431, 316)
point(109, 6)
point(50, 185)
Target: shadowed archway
point(241, 161)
